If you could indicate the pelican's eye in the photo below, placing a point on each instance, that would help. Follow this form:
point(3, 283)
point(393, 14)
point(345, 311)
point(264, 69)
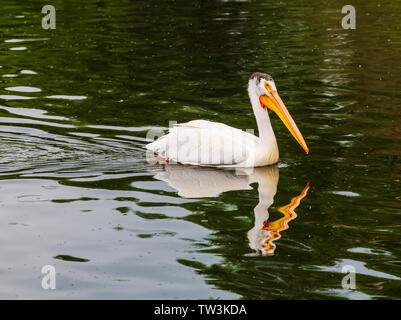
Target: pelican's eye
point(268, 87)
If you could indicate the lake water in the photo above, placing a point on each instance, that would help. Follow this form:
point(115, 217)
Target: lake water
point(77, 102)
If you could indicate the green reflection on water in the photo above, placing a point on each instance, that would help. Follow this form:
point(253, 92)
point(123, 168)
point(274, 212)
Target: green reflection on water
point(75, 107)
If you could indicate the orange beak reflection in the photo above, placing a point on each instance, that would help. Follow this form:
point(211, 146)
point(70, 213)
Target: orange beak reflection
point(281, 224)
point(275, 104)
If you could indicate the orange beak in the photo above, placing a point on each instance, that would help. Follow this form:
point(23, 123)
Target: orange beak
point(275, 104)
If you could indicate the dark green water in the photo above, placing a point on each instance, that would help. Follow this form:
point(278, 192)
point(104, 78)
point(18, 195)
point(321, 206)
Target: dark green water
point(76, 104)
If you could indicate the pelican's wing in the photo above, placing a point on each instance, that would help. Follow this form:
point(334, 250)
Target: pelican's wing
point(202, 142)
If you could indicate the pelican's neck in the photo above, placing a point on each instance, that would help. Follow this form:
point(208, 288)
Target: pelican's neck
point(266, 133)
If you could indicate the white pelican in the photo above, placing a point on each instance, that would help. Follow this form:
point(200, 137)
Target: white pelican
point(207, 143)
point(195, 182)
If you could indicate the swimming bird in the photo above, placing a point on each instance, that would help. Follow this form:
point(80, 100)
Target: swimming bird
point(207, 143)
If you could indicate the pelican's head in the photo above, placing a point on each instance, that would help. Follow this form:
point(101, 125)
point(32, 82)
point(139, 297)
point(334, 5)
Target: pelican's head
point(262, 85)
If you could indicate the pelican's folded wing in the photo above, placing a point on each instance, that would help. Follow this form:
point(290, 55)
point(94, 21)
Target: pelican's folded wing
point(207, 143)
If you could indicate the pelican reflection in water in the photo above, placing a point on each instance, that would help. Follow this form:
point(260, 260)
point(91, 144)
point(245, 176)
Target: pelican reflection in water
point(198, 182)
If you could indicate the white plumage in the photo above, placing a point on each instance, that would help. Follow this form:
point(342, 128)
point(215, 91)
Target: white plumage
point(206, 143)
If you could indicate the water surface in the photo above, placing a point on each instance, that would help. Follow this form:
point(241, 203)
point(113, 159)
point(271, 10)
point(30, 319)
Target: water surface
point(77, 193)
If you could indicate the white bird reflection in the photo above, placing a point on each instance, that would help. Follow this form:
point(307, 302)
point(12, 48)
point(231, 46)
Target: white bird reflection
point(200, 182)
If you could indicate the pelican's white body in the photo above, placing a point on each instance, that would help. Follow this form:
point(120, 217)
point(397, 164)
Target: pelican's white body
point(208, 143)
